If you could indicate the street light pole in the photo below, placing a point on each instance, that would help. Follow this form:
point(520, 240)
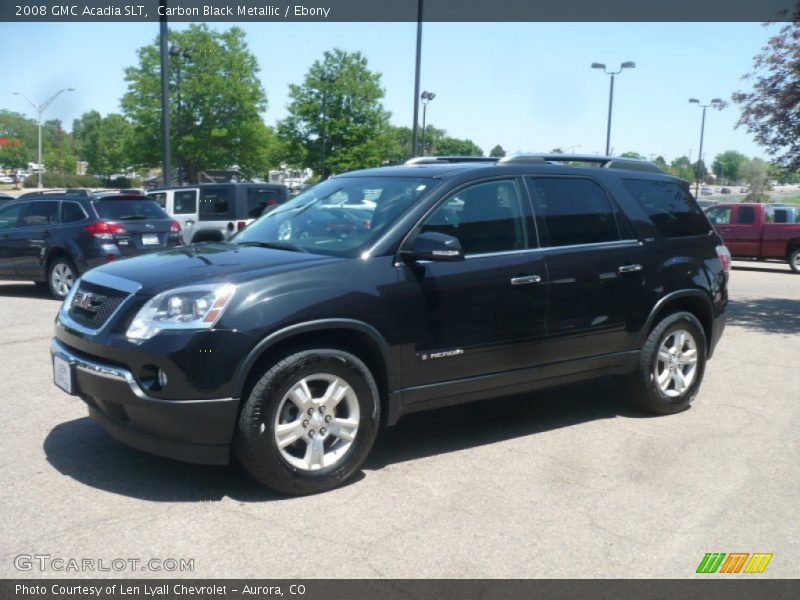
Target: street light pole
point(40, 108)
point(626, 65)
point(179, 54)
point(326, 78)
point(416, 79)
point(715, 103)
point(163, 52)
point(426, 97)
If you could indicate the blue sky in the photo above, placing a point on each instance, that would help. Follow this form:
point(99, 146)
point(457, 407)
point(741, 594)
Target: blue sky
point(526, 86)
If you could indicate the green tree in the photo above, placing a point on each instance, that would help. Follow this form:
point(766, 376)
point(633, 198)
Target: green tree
point(700, 171)
point(103, 142)
point(58, 148)
point(497, 152)
point(217, 122)
point(770, 108)
point(756, 173)
point(661, 163)
point(450, 146)
point(635, 155)
point(681, 168)
point(13, 154)
point(728, 165)
point(356, 126)
point(19, 127)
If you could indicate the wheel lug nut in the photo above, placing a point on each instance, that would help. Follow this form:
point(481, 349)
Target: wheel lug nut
point(328, 418)
point(311, 433)
point(305, 423)
point(322, 431)
point(322, 409)
point(310, 411)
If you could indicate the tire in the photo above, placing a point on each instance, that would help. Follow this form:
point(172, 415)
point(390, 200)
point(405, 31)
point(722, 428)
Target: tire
point(61, 275)
point(312, 459)
point(794, 260)
point(673, 393)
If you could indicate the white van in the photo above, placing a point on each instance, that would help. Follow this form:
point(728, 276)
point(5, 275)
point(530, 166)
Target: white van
point(214, 212)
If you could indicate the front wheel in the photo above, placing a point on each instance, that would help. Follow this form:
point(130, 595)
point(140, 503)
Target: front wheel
point(794, 260)
point(671, 365)
point(309, 422)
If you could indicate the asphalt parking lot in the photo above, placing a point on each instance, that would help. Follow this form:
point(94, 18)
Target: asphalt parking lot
point(567, 483)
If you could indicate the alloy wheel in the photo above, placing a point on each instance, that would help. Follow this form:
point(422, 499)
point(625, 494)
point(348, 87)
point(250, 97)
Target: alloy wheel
point(676, 364)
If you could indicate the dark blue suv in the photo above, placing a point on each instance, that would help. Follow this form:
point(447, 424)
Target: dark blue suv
point(53, 238)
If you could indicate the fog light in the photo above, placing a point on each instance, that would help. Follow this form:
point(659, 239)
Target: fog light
point(162, 379)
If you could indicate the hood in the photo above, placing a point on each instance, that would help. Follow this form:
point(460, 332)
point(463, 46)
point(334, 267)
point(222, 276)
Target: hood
point(209, 262)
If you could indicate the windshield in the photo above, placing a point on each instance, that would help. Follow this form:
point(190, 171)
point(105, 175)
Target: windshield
point(339, 217)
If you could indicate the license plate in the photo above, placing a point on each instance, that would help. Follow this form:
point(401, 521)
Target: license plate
point(149, 239)
point(62, 374)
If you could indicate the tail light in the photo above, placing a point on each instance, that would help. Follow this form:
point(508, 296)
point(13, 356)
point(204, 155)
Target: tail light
point(241, 225)
point(105, 230)
point(174, 227)
point(724, 257)
point(272, 202)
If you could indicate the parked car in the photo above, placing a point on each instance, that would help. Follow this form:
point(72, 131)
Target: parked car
point(706, 191)
point(53, 239)
point(215, 212)
point(472, 281)
point(6, 179)
point(725, 191)
point(756, 231)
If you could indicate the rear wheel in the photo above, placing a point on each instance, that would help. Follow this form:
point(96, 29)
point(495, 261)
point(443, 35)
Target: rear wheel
point(794, 260)
point(671, 365)
point(61, 276)
point(310, 422)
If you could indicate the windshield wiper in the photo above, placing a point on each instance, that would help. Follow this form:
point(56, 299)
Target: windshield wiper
point(274, 245)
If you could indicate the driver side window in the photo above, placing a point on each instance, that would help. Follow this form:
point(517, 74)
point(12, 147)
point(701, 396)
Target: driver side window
point(486, 218)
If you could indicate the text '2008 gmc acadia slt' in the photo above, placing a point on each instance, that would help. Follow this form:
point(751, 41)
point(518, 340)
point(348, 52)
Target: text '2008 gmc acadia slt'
point(387, 291)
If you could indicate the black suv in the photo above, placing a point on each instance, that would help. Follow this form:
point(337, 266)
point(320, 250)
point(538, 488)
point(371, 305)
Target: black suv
point(51, 238)
point(387, 291)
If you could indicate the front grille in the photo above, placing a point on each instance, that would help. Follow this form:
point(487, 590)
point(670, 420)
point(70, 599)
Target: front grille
point(102, 303)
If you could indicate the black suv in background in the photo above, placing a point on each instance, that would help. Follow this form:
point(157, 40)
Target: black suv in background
point(383, 292)
point(52, 238)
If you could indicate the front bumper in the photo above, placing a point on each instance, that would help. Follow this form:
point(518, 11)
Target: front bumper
point(197, 431)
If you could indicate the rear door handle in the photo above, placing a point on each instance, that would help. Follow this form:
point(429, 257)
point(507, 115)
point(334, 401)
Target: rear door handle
point(525, 280)
point(629, 268)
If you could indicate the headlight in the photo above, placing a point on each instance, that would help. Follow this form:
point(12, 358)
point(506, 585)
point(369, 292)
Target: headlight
point(192, 307)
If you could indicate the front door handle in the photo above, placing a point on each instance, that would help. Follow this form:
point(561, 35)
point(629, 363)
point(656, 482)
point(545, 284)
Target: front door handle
point(525, 280)
point(629, 268)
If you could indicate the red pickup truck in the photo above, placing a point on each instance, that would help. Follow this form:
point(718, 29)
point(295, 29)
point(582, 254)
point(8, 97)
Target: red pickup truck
point(752, 230)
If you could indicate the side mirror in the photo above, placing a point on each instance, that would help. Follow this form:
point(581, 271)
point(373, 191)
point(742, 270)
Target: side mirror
point(433, 246)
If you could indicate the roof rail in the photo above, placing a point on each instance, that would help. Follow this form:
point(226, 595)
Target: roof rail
point(607, 162)
point(435, 160)
point(61, 192)
point(522, 159)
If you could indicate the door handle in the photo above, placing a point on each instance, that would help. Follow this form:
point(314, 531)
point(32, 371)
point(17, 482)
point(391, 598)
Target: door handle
point(525, 280)
point(629, 268)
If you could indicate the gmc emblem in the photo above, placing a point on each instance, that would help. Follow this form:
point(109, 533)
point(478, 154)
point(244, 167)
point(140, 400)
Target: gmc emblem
point(87, 301)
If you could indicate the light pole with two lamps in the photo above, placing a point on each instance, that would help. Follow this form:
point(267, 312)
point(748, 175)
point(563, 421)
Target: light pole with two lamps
point(40, 108)
point(626, 65)
point(719, 104)
point(425, 97)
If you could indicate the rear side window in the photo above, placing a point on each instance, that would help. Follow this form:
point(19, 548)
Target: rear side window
point(574, 211)
point(129, 210)
point(214, 204)
point(186, 202)
point(260, 198)
point(670, 207)
point(9, 216)
point(71, 212)
point(40, 213)
point(747, 215)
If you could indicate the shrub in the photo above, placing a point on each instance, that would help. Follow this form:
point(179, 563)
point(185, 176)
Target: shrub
point(54, 180)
